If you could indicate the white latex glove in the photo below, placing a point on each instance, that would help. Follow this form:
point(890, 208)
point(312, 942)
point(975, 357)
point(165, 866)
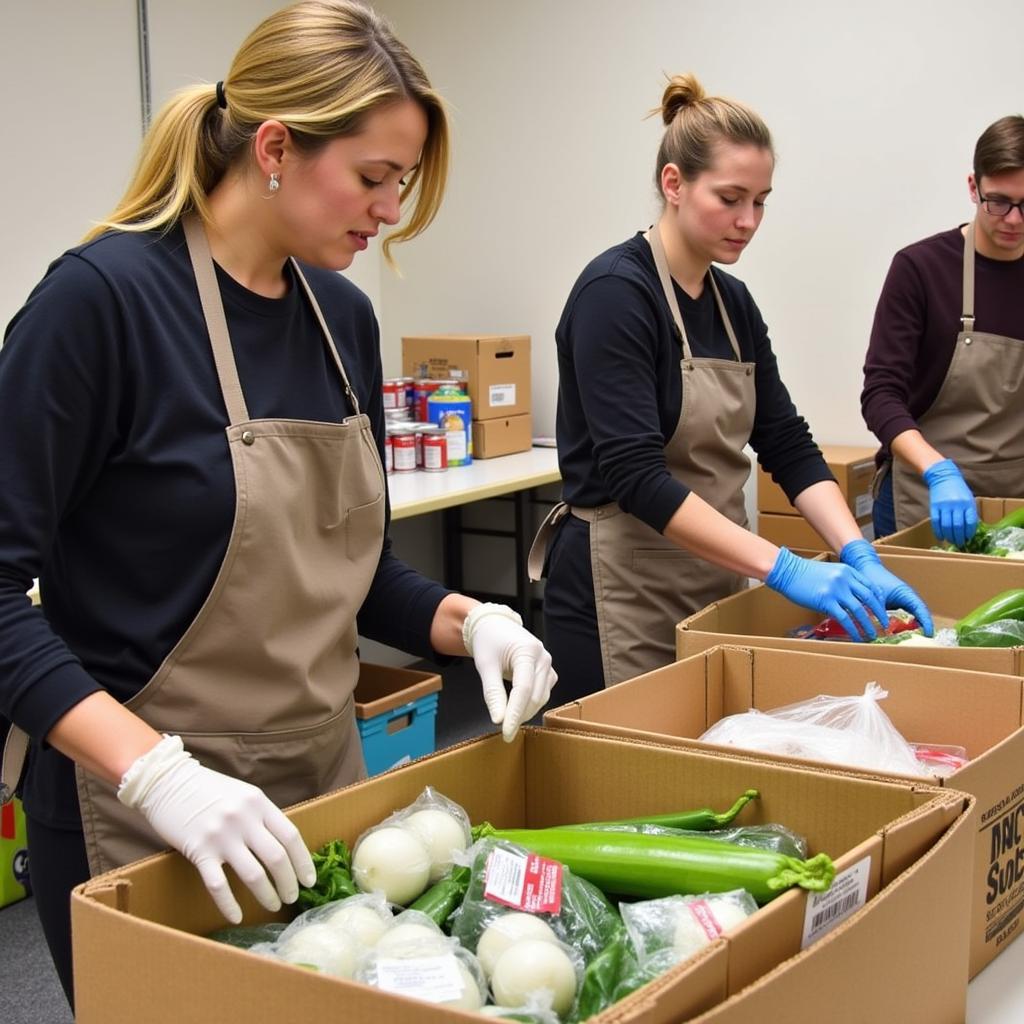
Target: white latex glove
point(502, 649)
point(214, 820)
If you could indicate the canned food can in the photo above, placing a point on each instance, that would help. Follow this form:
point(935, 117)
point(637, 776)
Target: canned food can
point(424, 388)
point(409, 387)
point(389, 454)
point(451, 410)
point(435, 449)
point(390, 390)
point(403, 447)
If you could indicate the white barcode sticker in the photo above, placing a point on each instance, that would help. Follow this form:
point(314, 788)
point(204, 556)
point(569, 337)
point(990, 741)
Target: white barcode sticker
point(436, 979)
point(825, 910)
point(501, 394)
point(863, 504)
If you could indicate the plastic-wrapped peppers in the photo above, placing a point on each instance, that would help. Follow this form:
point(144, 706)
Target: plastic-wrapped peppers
point(652, 866)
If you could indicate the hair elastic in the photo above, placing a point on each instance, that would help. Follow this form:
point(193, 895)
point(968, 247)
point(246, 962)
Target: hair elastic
point(222, 100)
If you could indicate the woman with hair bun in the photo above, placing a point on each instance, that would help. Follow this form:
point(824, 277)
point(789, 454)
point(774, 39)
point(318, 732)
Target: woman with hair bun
point(944, 372)
point(666, 373)
point(192, 423)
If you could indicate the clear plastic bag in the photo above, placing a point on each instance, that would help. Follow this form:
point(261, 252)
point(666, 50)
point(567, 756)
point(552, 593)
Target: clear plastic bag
point(1001, 633)
point(667, 931)
point(411, 848)
point(851, 731)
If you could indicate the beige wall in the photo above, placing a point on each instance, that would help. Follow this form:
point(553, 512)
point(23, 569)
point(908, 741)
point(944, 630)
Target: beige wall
point(875, 108)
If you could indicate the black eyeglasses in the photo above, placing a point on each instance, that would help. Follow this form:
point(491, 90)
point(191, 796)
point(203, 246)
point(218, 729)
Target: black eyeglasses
point(1000, 207)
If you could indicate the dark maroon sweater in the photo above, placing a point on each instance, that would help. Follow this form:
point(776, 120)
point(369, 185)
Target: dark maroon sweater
point(916, 323)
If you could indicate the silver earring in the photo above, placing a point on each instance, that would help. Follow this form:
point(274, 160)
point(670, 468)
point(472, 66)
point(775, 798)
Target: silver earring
point(275, 182)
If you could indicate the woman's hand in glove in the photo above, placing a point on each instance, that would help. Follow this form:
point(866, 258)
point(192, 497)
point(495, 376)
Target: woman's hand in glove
point(834, 589)
point(215, 820)
point(502, 649)
point(952, 506)
point(894, 592)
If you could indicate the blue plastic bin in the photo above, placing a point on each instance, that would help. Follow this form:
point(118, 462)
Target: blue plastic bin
point(396, 712)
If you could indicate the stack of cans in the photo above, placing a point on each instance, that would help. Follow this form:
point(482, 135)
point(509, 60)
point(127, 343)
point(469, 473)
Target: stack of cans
point(415, 440)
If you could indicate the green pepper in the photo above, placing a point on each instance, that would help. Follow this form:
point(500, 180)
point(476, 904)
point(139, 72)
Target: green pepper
point(702, 820)
point(652, 866)
point(1007, 605)
point(443, 896)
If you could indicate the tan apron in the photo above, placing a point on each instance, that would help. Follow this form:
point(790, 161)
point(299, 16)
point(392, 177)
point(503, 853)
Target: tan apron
point(643, 583)
point(260, 686)
point(976, 417)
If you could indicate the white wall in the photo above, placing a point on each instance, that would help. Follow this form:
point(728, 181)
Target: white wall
point(875, 108)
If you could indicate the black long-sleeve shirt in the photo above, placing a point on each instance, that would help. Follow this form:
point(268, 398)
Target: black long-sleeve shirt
point(916, 325)
point(116, 486)
point(620, 386)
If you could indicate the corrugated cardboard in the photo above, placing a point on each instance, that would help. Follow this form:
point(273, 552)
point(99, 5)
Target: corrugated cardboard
point(795, 533)
point(920, 539)
point(382, 688)
point(502, 436)
point(853, 466)
point(139, 955)
point(950, 587)
point(980, 711)
point(496, 368)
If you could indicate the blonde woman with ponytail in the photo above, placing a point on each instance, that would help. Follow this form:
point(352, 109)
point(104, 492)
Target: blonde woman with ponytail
point(666, 373)
point(191, 411)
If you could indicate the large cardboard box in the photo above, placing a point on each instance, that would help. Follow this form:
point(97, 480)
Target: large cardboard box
point(502, 436)
point(853, 466)
point(795, 533)
point(496, 368)
point(980, 711)
point(920, 538)
point(139, 954)
point(951, 588)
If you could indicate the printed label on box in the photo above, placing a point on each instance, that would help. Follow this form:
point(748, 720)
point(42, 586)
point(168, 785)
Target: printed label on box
point(1004, 873)
point(436, 979)
point(523, 881)
point(847, 894)
point(501, 394)
point(863, 504)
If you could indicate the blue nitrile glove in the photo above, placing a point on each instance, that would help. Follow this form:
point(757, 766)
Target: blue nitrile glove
point(830, 587)
point(894, 592)
point(954, 513)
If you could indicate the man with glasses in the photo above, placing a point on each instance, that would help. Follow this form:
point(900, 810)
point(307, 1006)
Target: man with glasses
point(944, 373)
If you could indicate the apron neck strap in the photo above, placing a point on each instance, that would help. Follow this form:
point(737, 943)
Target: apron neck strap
point(967, 320)
point(217, 326)
point(653, 237)
point(213, 314)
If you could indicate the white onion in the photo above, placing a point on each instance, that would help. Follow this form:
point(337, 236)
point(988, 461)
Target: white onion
point(529, 966)
point(690, 936)
point(323, 947)
point(393, 861)
point(363, 923)
point(411, 940)
point(503, 931)
point(441, 833)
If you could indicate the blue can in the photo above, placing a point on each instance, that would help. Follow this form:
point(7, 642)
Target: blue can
point(451, 410)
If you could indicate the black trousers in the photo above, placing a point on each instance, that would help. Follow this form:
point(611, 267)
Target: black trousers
point(57, 862)
point(570, 614)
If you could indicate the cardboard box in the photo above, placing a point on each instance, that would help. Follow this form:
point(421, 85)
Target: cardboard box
point(980, 711)
point(14, 881)
point(853, 466)
point(951, 588)
point(495, 367)
point(920, 539)
point(502, 437)
point(795, 533)
point(396, 714)
point(139, 954)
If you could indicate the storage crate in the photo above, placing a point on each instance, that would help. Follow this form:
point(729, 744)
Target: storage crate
point(396, 712)
point(14, 884)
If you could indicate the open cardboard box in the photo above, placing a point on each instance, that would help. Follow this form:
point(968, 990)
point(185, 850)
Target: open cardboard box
point(139, 953)
point(983, 712)
point(950, 587)
point(919, 539)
